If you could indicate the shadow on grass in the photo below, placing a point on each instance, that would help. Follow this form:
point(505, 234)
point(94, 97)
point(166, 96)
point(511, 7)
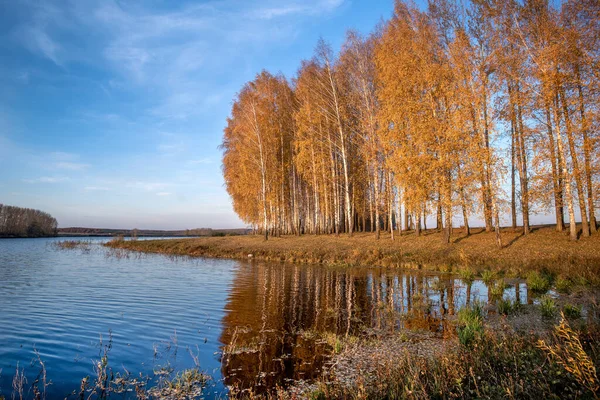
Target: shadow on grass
point(514, 240)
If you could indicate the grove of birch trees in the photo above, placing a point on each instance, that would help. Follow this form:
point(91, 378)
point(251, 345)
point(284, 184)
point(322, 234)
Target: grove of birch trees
point(25, 222)
point(480, 111)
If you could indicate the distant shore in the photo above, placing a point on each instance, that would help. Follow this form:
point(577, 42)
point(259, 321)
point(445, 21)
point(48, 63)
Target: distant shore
point(543, 250)
point(106, 232)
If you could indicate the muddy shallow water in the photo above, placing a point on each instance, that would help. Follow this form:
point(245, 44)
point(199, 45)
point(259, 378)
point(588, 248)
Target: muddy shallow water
point(246, 323)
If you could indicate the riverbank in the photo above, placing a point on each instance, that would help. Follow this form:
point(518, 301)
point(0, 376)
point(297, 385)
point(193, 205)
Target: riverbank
point(543, 250)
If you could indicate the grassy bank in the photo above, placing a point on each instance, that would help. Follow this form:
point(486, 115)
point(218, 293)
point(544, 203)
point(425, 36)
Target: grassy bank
point(498, 363)
point(544, 250)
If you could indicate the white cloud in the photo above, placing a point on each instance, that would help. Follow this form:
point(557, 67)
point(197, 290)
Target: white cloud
point(299, 8)
point(97, 188)
point(163, 194)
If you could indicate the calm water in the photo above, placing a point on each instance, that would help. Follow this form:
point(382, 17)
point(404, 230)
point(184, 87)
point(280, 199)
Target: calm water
point(249, 324)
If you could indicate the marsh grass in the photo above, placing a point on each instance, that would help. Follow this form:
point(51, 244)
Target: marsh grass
point(499, 366)
point(470, 325)
point(563, 285)
point(572, 311)
point(108, 382)
point(508, 306)
point(538, 282)
point(496, 290)
point(567, 351)
point(466, 275)
point(488, 277)
point(84, 245)
point(547, 306)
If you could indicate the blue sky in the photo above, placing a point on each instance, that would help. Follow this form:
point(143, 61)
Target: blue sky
point(111, 112)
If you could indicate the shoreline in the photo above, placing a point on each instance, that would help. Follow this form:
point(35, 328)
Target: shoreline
point(543, 251)
point(489, 349)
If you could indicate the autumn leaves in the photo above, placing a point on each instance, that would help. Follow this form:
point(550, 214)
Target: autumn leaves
point(442, 112)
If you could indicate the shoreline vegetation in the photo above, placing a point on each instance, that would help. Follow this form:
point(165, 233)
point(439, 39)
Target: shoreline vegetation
point(544, 251)
point(488, 356)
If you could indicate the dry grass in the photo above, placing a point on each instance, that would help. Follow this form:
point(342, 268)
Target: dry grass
point(498, 366)
point(544, 250)
point(72, 244)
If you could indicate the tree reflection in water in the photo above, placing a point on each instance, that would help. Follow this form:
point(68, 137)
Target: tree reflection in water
point(278, 315)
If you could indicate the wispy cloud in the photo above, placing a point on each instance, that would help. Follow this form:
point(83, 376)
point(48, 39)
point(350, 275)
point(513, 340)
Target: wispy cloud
point(171, 148)
point(205, 160)
point(37, 33)
point(168, 49)
point(47, 179)
point(128, 70)
point(71, 166)
point(97, 188)
point(39, 40)
point(23, 77)
point(149, 186)
point(63, 156)
point(298, 8)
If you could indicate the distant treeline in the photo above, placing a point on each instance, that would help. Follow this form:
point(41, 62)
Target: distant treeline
point(79, 231)
point(26, 222)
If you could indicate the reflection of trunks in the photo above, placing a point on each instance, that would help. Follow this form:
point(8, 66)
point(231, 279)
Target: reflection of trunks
point(283, 320)
point(271, 359)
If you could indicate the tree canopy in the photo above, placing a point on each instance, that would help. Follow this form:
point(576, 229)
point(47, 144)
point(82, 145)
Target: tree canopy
point(464, 110)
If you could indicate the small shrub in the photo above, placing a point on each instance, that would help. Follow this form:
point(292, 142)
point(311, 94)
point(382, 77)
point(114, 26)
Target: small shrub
point(317, 394)
point(117, 239)
point(569, 352)
point(548, 306)
point(506, 306)
point(488, 277)
point(466, 275)
point(73, 244)
point(563, 285)
point(537, 282)
point(497, 289)
point(334, 341)
point(572, 311)
point(470, 325)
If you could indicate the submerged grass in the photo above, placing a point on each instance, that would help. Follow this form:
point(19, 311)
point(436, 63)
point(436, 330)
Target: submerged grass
point(72, 244)
point(572, 311)
point(508, 307)
point(470, 325)
point(109, 381)
point(547, 306)
point(538, 282)
point(545, 252)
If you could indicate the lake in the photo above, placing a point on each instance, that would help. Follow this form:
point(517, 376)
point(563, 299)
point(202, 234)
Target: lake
point(249, 324)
